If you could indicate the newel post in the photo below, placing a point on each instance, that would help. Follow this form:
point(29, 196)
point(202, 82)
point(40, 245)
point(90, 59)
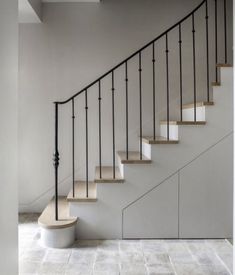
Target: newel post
point(56, 161)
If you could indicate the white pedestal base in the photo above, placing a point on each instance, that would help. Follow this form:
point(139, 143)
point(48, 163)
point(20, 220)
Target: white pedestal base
point(58, 238)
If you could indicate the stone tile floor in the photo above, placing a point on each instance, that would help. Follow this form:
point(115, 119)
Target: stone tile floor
point(124, 257)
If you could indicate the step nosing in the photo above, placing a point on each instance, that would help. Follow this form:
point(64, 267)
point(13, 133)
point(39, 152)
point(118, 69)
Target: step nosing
point(159, 140)
point(80, 192)
point(107, 174)
point(133, 157)
point(198, 104)
point(186, 122)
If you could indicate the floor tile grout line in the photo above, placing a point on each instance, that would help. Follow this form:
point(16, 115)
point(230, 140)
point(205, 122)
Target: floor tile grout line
point(223, 263)
point(191, 253)
point(173, 267)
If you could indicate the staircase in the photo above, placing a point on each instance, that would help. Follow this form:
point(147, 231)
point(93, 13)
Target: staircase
point(147, 193)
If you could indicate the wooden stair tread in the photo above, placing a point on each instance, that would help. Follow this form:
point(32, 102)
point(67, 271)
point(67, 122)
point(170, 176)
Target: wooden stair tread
point(198, 104)
point(159, 140)
point(47, 218)
point(133, 158)
point(107, 175)
point(80, 192)
point(215, 83)
point(183, 122)
point(221, 65)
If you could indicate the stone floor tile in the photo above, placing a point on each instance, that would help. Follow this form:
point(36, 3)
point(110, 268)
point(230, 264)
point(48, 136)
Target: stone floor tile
point(199, 246)
point(85, 246)
point(157, 273)
point(154, 247)
point(151, 241)
point(110, 245)
point(220, 245)
point(227, 259)
point(106, 268)
point(107, 257)
point(81, 257)
point(78, 269)
point(86, 243)
point(95, 272)
point(34, 255)
point(25, 244)
point(175, 246)
point(28, 268)
point(130, 246)
point(156, 258)
point(154, 269)
point(132, 257)
point(133, 269)
point(182, 258)
point(199, 241)
point(189, 269)
point(215, 270)
point(52, 269)
point(57, 256)
point(206, 258)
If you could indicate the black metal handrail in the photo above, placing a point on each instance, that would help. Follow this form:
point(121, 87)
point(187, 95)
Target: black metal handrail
point(111, 72)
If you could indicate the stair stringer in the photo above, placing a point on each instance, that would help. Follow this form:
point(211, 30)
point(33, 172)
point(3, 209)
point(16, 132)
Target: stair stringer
point(104, 218)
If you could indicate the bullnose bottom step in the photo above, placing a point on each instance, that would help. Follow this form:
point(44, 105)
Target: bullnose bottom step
point(107, 175)
point(47, 218)
point(223, 65)
point(80, 192)
point(134, 157)
point(159, 140)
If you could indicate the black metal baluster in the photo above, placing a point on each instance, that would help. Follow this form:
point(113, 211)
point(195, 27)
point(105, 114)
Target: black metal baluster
point(154, 95)
point(225, 32)
point(86, 117)
point(73, 170)
point(100, 163)
point(127, 133)
point(113, 118)
point(207, 55)
point(180, 63)
point(216, 43)
point(56, 161)
point(167, 88)
point(140, 98)
point(194, 70)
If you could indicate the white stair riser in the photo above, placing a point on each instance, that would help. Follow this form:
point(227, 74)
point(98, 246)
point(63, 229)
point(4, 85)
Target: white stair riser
point(173, 131)
point(188, 114)
point(121, 167)
point(146, 149)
